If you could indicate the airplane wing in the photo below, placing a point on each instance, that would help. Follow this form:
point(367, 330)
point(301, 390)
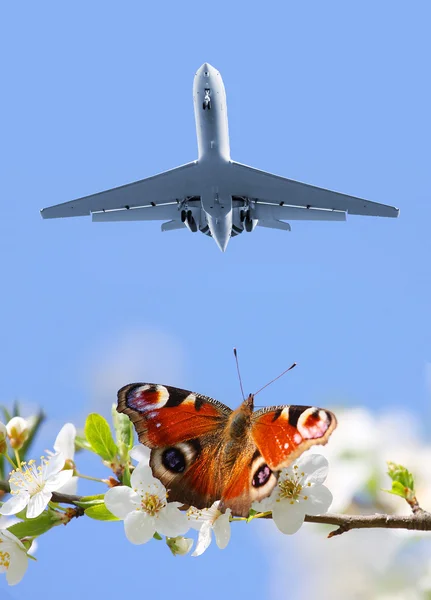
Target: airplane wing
point(160, 189)
point(147, 213)
point(272, 189)
point(268, 212)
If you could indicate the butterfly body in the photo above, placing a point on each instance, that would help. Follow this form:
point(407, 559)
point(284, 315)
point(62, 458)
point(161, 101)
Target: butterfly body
point(202, 451)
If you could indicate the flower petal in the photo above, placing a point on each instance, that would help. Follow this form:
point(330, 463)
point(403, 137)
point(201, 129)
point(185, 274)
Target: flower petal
point(199, 516)
point(18, 566)
point(171, 521)
point(319, 500)
point(7, 537)
point(121, 501)
point(204, 539)
point(15, 504)
point(53, 466)
point(70, 487)
point(288, 517)
point(65, 441)
point(38, 503)
point(139, 527)
point(266, 503)
point(57, 481)
point(222, 530)
point(143, 480)
point(315, 467)
point(141, 454)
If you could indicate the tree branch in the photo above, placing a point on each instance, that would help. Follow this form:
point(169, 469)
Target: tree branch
point(56, 497)
point(420, 520)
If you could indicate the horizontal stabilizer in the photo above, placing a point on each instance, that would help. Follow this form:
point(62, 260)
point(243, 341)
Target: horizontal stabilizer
point(273, 224)
point(147, 213)
point(274, 211)
point(172, 225)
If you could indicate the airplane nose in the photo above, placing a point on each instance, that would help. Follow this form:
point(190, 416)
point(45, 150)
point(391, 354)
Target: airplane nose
point(206, 69)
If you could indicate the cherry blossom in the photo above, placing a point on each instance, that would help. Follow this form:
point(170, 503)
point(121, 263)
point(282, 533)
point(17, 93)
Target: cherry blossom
point(144, 507)
point(33, 486)
point(299, 492)
point(13, 557)
point(207, 520)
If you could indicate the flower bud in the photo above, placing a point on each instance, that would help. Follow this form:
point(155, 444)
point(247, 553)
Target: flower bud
point(17, 430)
point(179, 545)
point(3, 437)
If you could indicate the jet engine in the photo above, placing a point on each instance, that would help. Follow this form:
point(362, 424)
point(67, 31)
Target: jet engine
point(189, 221)
point(249, 223)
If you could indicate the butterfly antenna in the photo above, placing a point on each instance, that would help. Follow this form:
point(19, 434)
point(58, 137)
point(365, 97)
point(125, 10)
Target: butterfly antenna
point(239, 374)
point(272, 381)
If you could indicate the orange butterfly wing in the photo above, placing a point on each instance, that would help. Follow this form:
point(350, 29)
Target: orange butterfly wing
point(282, 433)
point(165, 415)
point(184, 431)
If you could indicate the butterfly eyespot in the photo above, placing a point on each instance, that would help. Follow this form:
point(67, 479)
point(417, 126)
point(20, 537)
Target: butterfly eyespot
point(174, 460)
point(261, 476)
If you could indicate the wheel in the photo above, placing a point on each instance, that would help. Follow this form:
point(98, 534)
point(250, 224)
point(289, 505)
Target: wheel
point(183, 216)
point(189, 215)
point(242, 216)
point(203, 105)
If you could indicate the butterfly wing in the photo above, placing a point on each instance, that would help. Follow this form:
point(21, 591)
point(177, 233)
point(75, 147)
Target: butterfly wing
point(282, 433)
point(185, 432)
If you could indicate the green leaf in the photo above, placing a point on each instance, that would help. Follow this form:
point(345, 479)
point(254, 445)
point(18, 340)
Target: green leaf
point(125, 479)
point(99, 436)
point(402, 475)
point(398, 490)
point(6, 415)
point(88, 501)
point(100, 513)
point(34, 527)
point(157, 536)
point(123, 431)
point(39, 419)
point(82, 444)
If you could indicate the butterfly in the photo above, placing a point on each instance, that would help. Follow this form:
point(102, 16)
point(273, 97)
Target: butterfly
point(203, 451)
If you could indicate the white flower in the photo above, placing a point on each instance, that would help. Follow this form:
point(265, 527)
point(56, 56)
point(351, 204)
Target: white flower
point(299, 492)
point(3, 437)
point(32, 486)
point(65, 443)
point(18, 430)
point(179, 545)
point(13, 557)
point(210, 519)
point(141, 454)
point(145, 508)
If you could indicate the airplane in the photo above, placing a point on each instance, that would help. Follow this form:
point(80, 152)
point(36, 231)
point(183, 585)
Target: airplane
point(214, 194)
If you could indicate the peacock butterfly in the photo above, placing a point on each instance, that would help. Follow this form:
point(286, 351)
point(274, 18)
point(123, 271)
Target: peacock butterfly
point(202, 451)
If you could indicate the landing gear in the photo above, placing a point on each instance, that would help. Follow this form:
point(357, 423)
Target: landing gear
point(248, 224)
point(207, 99)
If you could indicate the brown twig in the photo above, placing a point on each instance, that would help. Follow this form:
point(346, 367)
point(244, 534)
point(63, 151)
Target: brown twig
point(420, 520)
point(56, 497)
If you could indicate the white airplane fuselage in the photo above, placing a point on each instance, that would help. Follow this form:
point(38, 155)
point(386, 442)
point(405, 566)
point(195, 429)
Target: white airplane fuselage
point(209, 99)
point(214, 194)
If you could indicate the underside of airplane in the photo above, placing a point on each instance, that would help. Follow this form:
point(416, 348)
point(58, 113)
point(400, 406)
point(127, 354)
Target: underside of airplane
point(215, 195)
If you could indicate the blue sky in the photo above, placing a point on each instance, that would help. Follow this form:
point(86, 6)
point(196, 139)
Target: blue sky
point(99, 94)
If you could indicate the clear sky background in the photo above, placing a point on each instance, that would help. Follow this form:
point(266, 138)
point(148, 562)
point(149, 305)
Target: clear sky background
point(96, 95)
